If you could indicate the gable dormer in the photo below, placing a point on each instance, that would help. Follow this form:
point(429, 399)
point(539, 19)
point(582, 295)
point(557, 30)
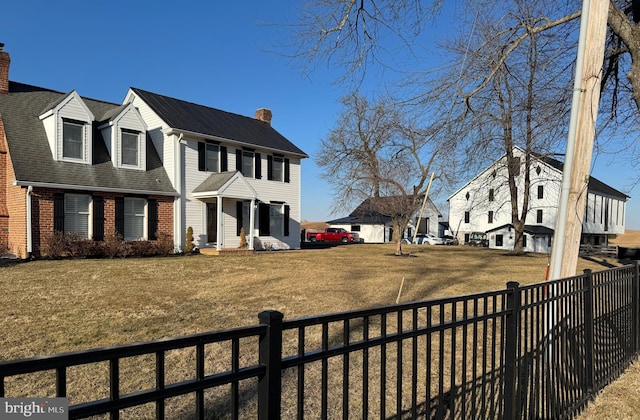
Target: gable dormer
point(68, 123)
point(124, 133)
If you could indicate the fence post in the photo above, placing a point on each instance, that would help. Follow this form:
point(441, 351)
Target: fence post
point(511, 348)
point(636, 307)
point(270, 385)
point(588, 332)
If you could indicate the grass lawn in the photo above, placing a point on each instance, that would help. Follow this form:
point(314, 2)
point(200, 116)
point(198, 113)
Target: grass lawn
point(58, 306)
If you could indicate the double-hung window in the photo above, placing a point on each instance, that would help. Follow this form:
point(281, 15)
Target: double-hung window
point(212, 157)
point(134, 218)
point(247, 163)
point(72, 139)
point(129, 150)
point(276, 219)
point(77, 212)
point(277, 172)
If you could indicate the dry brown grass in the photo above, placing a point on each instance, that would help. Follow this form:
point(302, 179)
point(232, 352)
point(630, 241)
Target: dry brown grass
point(58, 306)
point(631, 238)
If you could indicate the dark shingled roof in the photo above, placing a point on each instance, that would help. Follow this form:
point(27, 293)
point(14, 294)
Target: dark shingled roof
point(595, 184)
point(214, 182)
point(373, 210)
point(201, 119)
point(31, 155)
point(530, 229)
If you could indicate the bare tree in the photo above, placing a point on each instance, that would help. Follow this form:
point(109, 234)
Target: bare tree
point(377, 151)
point(353, 35)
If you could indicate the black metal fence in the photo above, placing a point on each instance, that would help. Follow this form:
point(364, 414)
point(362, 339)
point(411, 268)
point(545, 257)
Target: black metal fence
point(538, 351)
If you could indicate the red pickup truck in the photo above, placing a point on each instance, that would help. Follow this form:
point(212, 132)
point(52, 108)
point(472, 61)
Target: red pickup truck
point(333, 235)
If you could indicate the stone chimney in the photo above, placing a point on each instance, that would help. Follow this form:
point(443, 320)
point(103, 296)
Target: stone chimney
point(4, 70)
point(264, 115)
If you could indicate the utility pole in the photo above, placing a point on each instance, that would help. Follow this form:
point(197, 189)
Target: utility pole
point(586, 95)
point(424, 203)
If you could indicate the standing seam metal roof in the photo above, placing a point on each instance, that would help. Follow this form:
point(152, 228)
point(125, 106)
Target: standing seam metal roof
point(183, 115)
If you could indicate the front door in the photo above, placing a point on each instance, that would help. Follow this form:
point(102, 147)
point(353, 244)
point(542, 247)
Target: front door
point(212, 222)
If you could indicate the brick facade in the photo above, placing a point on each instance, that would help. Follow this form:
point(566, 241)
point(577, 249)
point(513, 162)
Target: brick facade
point(42, 214)
point(42, 217)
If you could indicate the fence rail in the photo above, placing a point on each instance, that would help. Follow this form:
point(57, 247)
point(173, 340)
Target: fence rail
point(525, 352)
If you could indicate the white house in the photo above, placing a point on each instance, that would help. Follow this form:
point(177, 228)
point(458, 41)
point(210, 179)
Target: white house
point(375, 227)
point(483, 205)
point(230, 172)
point(146, 169)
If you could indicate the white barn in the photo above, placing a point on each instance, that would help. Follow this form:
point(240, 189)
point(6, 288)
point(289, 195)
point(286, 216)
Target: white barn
point(483, 205)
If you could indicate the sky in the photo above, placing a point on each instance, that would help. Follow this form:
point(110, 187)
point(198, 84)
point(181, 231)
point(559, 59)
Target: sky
point(219, 54)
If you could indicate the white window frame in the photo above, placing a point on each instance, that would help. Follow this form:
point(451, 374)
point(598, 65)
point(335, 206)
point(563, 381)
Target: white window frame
point(73, 214)
point(277, 168)
point(248, 161)
point(211, 149)
point(69, 141)
point(138, 214)
point(276, 219)
point(131, 135)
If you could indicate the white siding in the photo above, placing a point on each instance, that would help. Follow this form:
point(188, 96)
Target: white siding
point(107, 132)
point(49, 124)
point(478, 204)
point(75, 109)
point(163, 144)
point(276, 191)
point(267, 191)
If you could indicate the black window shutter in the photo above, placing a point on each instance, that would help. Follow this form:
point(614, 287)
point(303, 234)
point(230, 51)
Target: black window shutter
point(98, 218)
point(258, 166)
point(239, 160)
point(152, 210)
point(263, 217)
point(120, 215)
point(287, 170)
point(223, 159)
point(269, 167)
point(239, 220)
point(287, 211)
point(58, 212)
point(202, 156)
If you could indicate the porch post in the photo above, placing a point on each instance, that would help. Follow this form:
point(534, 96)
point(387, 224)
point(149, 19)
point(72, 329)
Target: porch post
point(219, 233)
point(252, 221)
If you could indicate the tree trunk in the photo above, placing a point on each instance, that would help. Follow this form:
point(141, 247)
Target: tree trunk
point(518, 235)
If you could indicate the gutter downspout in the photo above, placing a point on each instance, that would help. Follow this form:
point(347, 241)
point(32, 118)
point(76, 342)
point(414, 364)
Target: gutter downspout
point(178, 230)
point(29, 221)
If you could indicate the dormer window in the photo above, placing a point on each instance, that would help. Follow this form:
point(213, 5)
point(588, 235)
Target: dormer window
point(130, 142)
point(72, 139)
point(68, 123)
point(124, 133)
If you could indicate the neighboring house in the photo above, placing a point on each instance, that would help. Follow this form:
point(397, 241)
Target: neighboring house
point(483, 205)
point(374, 226)
point(152, 165)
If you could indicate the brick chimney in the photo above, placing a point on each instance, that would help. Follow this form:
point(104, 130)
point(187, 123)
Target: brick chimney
point(4, 70)
point(264, 115)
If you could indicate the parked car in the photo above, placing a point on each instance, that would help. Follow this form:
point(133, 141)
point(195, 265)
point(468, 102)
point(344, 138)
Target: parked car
point(450, 240)
point(478, 239)
point(333, 235)
point(431, 239)
point(423, 239)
